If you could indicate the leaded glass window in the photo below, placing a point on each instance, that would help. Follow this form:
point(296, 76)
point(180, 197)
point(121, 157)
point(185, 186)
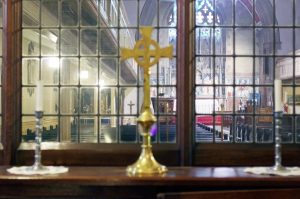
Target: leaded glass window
point(90, 96)
point(241, 46)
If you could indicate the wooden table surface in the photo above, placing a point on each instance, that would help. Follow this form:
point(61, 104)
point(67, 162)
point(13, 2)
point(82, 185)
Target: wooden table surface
point(113, 181)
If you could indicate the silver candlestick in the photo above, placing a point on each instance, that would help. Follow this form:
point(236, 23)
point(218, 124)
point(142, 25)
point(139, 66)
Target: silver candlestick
point(278, 126)
point(38, 139)
point(37, 167)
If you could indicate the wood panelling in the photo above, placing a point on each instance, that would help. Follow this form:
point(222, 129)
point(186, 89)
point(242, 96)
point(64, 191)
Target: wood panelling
point(94, 154)
point(11, 79)
point(184, 87)
point(243, 154)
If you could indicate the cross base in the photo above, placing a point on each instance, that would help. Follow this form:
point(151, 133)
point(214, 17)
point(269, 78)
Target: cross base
point(146, 164)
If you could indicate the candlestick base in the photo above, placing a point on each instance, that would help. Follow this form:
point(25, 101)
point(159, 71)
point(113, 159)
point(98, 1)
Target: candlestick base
point(279, 168)
point(285, 171)
point(146, 164)
point(37, 170)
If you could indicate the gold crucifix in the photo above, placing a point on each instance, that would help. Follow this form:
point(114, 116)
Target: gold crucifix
point(146, 53)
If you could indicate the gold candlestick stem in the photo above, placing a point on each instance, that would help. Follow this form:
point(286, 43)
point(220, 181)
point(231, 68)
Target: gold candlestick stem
point(146, 53)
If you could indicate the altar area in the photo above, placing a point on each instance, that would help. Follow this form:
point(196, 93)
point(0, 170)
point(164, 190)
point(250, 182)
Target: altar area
point(178, 182)
point(150, 98)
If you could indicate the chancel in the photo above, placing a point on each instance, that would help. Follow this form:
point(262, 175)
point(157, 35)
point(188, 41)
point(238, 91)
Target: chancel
point(225, 98)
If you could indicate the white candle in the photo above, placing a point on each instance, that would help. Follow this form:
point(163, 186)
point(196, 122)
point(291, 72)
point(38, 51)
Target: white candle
point(39, 96)
point(278, 95)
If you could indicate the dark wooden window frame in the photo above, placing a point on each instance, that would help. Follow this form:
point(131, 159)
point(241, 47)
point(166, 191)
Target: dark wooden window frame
point(185, 152)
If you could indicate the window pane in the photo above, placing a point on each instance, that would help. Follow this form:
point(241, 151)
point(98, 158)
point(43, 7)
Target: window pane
point(52, 96)
point(50, 129)
point(284, 8)
point(288, 100)
point(108, 97)
point(129, 100)
point(31, 12)
point(286, 45)
point(108, 71)
point(264, 130)
point(89, 18)
point(50, 42)
point(229, 6)
point(297, 3)
point(265, 40)
point(69, 43)
point(50, 69)
point(244, 41)
point(69, 129)
point(69, 71)
point(204, 70)
point(284, 69)
point(88, 101)
point(243, 129)
point(168, 36)
point(89, 42)
point(287, 129)
point(264, 70)
point(130, 5)
point(167, 72)
point(109, 130)
point(204, 102)
point(69, 13)
point(30, 71)
point(28, 129)
point(49, 132)
point(128, 72)
point(69, 100)
point(167, 129)
point(89, 71)
point(244, 13)
point(222, 34)
point(243, 70)
point(128, 130)
point(88, 128)
point(104, 47)
point(49, 13)
point(28, 100)
point(30, 42)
